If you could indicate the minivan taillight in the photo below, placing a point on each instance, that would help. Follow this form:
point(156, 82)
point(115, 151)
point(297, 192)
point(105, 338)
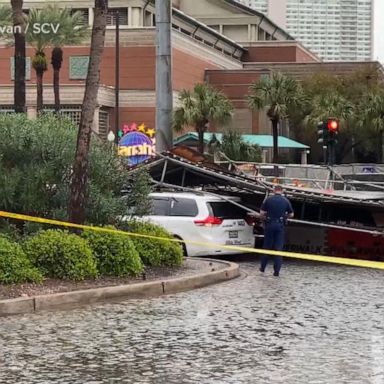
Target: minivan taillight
point(209, 221)
point(250, 219)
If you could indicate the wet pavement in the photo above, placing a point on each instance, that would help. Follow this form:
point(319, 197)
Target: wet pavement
point(317, 323)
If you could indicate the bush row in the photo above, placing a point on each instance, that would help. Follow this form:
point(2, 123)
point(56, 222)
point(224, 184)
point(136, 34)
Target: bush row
point(60, 254)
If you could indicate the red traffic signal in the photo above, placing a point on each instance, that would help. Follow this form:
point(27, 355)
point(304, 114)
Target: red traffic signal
point(333, 125)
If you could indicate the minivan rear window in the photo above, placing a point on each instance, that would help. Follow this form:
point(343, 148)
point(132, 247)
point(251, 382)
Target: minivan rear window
point(183, 207)
point(226, 210)
point(160, 207)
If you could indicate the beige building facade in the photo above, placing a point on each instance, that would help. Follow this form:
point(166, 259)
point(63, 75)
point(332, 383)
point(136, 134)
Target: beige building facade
point(336, 30)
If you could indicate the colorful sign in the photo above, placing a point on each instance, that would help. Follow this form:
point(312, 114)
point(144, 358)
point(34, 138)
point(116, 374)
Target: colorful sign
point(137, 143)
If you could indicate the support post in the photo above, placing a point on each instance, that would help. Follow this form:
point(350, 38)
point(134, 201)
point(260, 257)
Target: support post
point(117, 77)
point(164, 97)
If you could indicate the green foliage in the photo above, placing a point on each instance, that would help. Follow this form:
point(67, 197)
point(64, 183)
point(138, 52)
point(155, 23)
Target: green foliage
point(278, 93)
point(5, 18)
point(71, 27)
point(235, 148)
point(40, 62)
point(37, 39)
point(199, 107)
point(353, 98)
point(154, 252)
point(62, 255)
point(139, 187)
point(115, 253)
point(15, 267)
point(36, 158)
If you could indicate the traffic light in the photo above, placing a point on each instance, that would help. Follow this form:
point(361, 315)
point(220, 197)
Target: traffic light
point(333, 129)
point(322, 133)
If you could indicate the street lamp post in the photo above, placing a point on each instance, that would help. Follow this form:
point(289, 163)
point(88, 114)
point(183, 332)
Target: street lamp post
point(111, 137)
point(117, 75)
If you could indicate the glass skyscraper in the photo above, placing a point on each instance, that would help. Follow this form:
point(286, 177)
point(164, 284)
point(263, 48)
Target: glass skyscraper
point(333, 29)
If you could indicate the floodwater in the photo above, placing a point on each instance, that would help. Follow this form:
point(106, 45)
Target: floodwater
point(316, 323)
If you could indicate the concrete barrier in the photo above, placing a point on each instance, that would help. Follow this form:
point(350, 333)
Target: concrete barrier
point(17, 306)
point(154, 288)
point(201, 280)
point(93, 295)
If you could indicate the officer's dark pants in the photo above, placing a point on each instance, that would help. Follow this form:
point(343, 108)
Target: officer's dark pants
point(273, 239)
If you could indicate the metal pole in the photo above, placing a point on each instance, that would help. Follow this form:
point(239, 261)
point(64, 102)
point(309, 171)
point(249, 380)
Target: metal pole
point(117, 77)
point(164, 100)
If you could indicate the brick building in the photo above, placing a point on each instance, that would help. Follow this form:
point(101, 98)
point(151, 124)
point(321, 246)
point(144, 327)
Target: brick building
point(218, 41)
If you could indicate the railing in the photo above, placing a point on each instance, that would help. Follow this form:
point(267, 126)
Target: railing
point(332, 180)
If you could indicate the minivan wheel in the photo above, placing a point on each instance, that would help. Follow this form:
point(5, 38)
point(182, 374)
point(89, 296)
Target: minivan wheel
point(185, 253)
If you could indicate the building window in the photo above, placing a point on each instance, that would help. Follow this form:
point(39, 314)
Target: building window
point(27, 68)
point(123, 16)
point(72, 112)
point(148, 19)
point(7, 109)
point(103, 124)
point(78, 67)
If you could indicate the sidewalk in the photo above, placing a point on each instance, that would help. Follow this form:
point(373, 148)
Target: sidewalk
point(194, 273)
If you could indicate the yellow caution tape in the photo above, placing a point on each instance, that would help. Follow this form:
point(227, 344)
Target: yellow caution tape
point(302, 256)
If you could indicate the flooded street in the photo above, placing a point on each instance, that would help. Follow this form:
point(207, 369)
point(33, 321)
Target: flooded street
point(317, 323)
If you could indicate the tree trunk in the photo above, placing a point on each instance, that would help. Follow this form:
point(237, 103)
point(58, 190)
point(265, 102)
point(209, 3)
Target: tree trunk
point(201, 128)
point(382, 147)
point(39, 90)
point(80, 168)
point(56, 61)
point(19, 84)
point(200, 132)
point(275, 136)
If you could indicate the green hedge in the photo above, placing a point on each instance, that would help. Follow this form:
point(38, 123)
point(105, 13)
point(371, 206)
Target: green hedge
point(154, 252)
point(116, 254)
point(15, 267)
point(62, 255)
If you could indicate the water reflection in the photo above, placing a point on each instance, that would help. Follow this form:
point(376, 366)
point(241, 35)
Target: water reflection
point(315, 324)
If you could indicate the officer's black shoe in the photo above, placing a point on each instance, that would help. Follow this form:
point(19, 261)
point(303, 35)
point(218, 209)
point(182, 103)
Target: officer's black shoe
point(261, 270)
point(275, 273)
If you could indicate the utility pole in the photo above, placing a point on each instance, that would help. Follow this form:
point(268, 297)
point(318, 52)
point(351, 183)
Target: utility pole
point(164, 99)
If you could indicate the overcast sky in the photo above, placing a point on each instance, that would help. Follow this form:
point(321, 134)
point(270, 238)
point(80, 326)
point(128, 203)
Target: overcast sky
point(378, 49)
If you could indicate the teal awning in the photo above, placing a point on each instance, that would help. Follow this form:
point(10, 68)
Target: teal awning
point(264, 141)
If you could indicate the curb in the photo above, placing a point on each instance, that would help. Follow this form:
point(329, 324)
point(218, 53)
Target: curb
point(131, 291)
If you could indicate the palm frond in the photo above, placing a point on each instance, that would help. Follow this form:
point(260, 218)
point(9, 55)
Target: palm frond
point(202, 105)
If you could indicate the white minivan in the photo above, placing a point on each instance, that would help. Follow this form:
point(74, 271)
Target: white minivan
point(203, 218)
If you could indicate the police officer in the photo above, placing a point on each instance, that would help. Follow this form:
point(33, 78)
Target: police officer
point(275, 210)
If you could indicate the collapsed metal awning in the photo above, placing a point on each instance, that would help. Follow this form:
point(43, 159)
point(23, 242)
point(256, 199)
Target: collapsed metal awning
point(186, 168)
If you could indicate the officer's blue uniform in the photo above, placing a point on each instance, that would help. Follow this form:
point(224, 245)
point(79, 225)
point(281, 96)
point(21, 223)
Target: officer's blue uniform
point(277, 208)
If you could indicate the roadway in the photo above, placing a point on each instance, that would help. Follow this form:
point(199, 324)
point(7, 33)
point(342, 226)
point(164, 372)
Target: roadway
point(317, 323)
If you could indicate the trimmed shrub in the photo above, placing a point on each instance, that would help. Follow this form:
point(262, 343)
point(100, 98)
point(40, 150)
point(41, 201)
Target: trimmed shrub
point(154, 252)
point(15, 267)
point(61, 255)
point(36, 164)
point(116, 254)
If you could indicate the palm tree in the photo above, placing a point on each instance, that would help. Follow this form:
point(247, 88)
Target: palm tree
point(334, 105)
point(278, 94)
point(371, 114)
point(235, 148)
point(19, 25)
point(39, 41)
point(330, 105)
point(199, 107)
point(77, 205)
point(72, 31)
